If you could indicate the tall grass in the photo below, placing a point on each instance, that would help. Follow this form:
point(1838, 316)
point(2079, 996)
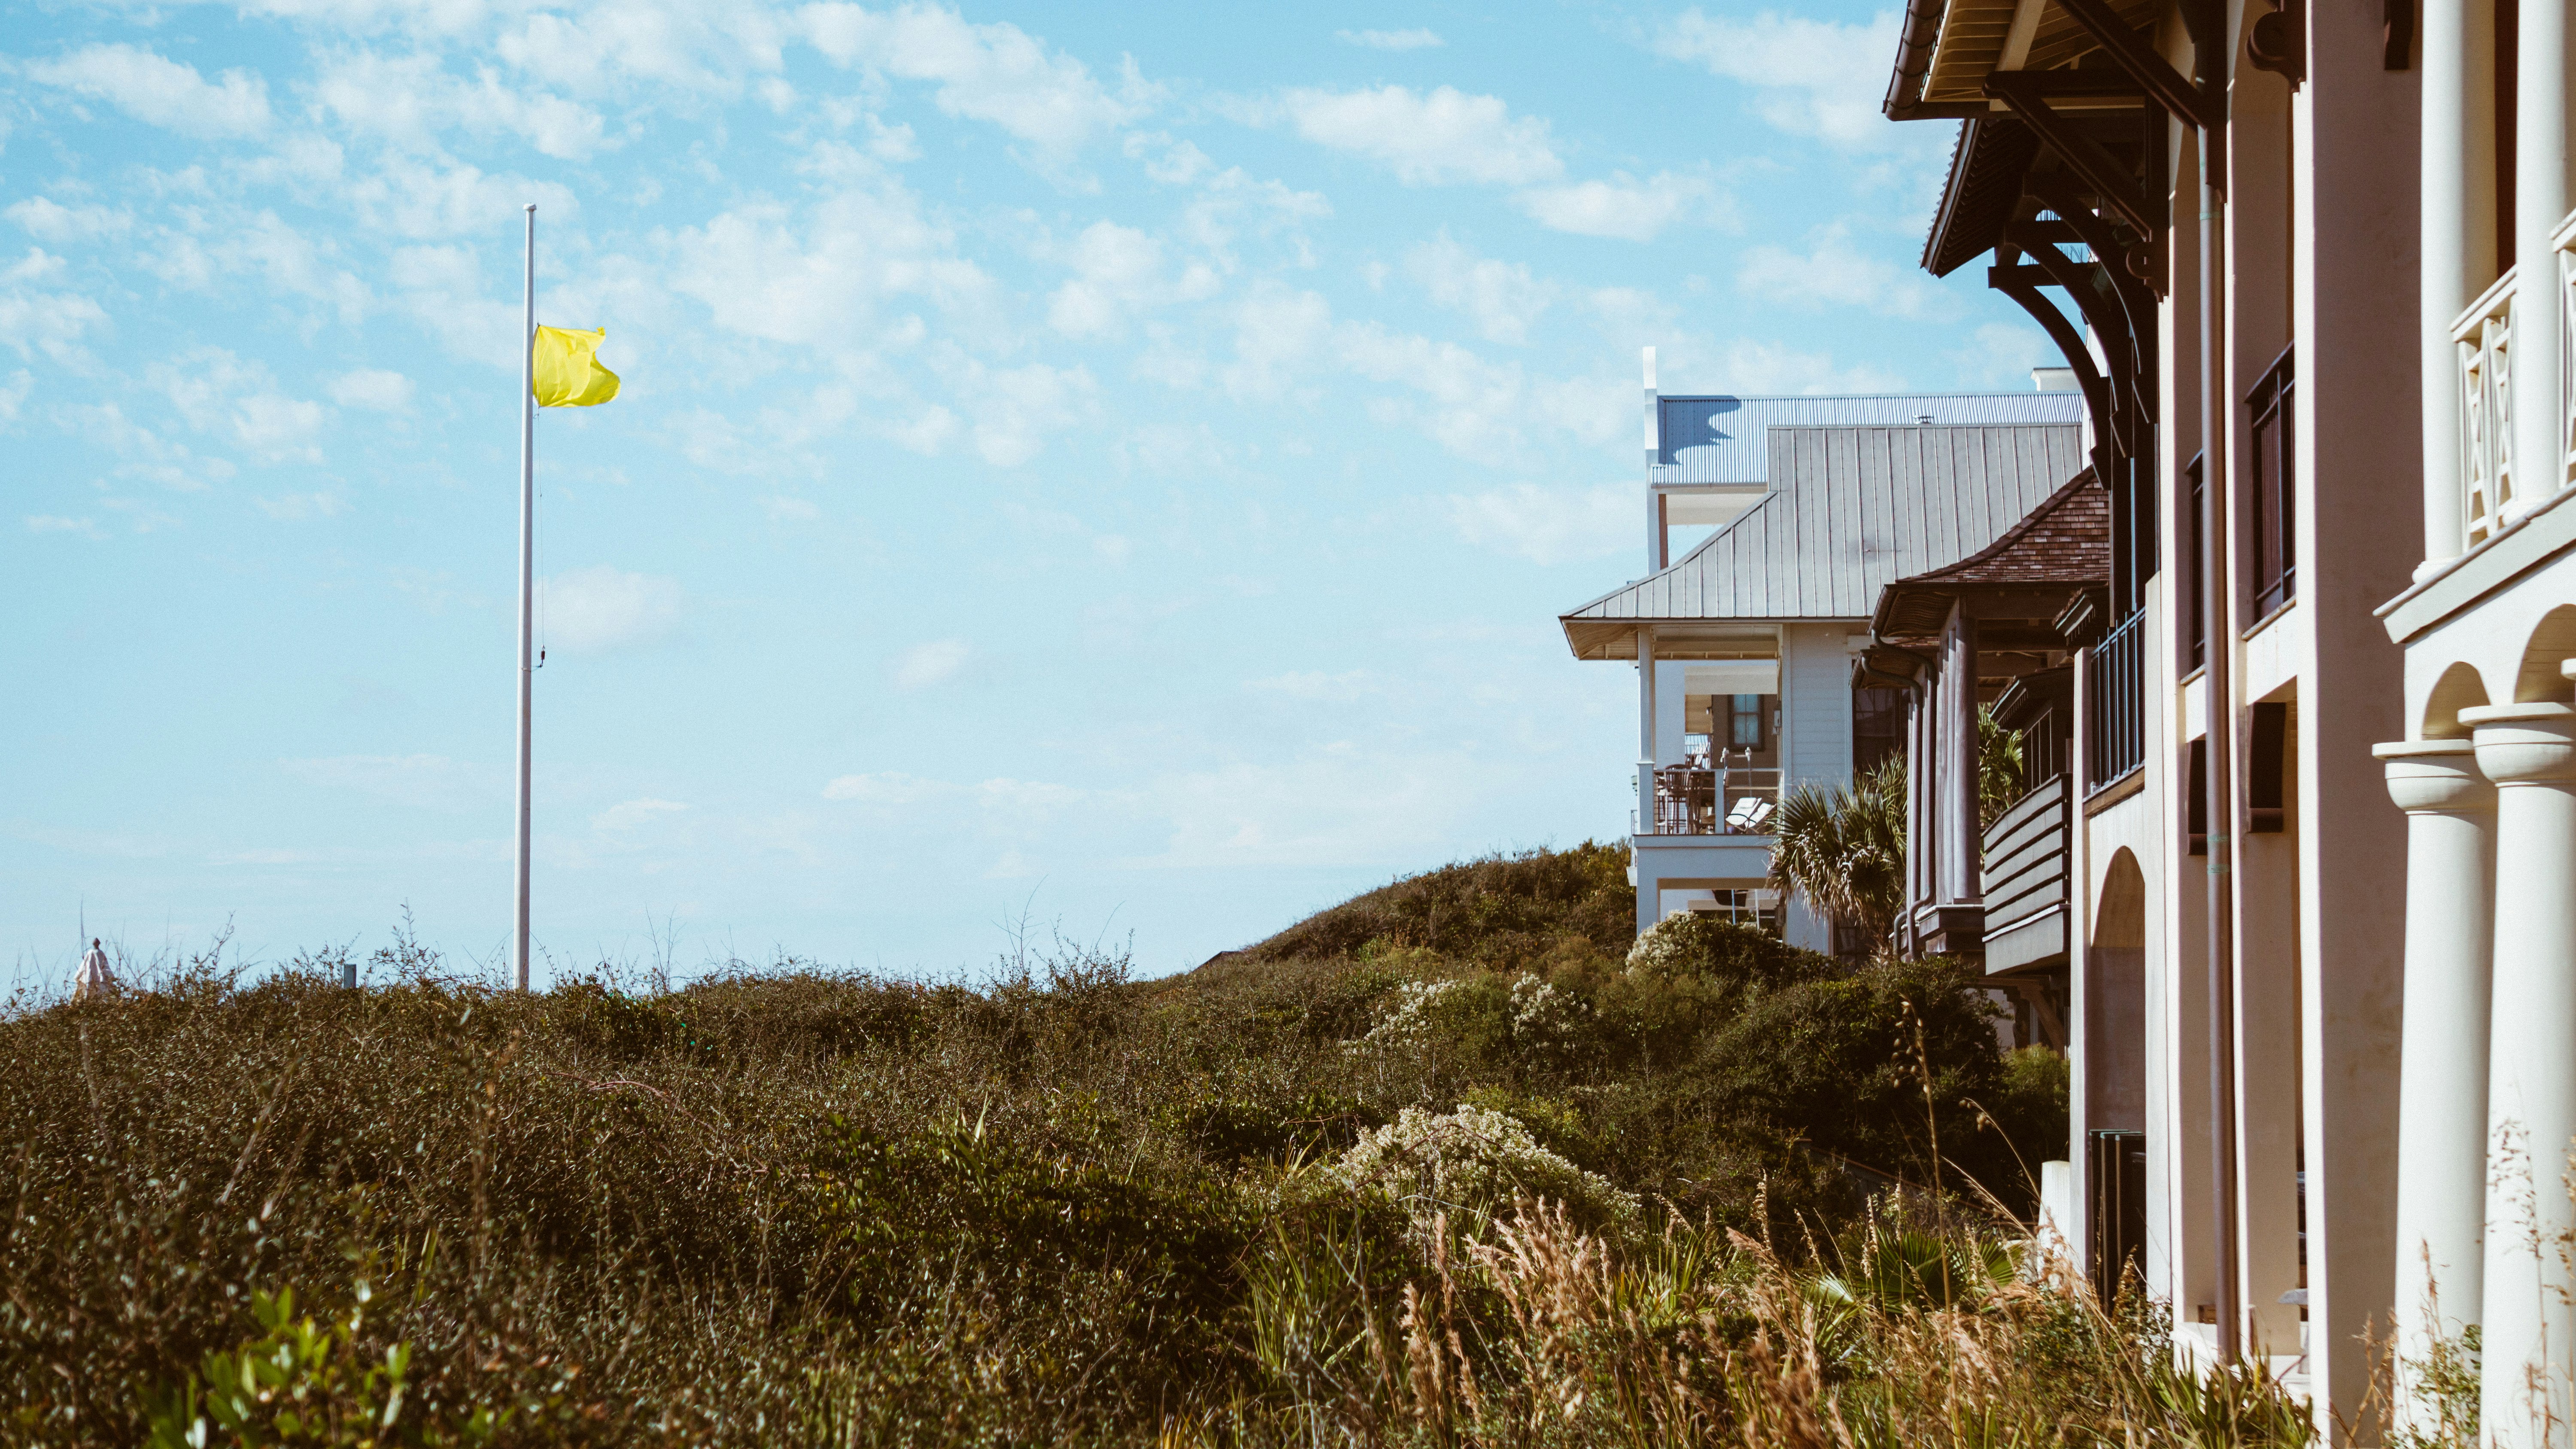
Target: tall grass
point(1289, 1202)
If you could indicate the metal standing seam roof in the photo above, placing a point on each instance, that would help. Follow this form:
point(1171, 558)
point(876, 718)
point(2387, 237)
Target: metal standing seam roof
point(1723, 439)
point(1853, 510)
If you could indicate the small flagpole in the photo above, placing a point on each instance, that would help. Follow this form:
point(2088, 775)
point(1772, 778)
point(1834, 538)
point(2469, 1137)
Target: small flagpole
point(527, 577)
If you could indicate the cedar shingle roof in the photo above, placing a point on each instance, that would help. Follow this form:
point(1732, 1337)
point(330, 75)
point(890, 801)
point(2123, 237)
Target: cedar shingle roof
point(2065, 541)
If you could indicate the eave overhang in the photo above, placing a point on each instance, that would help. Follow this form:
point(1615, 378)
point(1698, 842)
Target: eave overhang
point(2016, 586)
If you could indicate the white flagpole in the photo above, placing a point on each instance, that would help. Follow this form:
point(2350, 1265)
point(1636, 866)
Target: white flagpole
point(527, 577)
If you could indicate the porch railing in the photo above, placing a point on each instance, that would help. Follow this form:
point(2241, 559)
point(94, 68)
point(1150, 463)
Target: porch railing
point(1719, 800)
point(2482, 339)
point(2116, 736)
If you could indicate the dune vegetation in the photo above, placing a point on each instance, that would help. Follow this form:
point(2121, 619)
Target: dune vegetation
point(1448, 1164)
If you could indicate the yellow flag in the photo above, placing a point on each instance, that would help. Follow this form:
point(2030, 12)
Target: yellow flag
point(568, 370)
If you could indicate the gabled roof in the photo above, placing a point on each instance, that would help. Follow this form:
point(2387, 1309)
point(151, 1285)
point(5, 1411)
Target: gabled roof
point(1724, 439)
point(1851, 510)
point(2064, 544)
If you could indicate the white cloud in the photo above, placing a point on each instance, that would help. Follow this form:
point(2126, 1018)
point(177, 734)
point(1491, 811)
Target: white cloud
point(996, 73)
point(832, 277)
point(1231, 202)
point(442, 287)
point(161, 92)
point(1277, 334)
point(1013, 410)
point(924, 665)
point(1836, 273)
point(48, 220)
point(783, 509)
point(2003, 353)
point(278, 427)
point(373, 388)
point(1502, 298)
point(14, 393)
point(1621, 207)
point(219, 393)
point(601, 48)
point(1813, 77)
point(628, 815)
point(893, 787)
point(1749, 366)
point(1417, 38)
point(34, 319)
point(1439, 138)
point(412, 100)
point(216, 245)
point(55, 523)
point(1547, 525)
point(604, 608)
point(1118, 272)
point(147, 455)
point(413, 197)
point(1477, 409)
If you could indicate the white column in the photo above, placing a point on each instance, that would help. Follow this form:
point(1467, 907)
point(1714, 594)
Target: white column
point(2539, 204)
point(1919, 849)
point(2442, 1082)
point(2457, 200)
point(1961, 841)
point(2529, 1316)
point(1650, 890)
point(1647, 719)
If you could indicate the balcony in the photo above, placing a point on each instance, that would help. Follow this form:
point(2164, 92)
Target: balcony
point(2116, 742)
point(1700, 797)
point(2025, 878)
point(2482, 340)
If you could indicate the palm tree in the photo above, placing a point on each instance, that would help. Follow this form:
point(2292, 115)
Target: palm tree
point(1999, 769)
point(1843, 848)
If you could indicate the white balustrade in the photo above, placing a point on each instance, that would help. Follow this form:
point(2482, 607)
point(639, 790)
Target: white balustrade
point(2564, 244)
point(2482, 338)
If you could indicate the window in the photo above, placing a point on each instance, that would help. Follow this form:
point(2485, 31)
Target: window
point(2195, 534)
point(1878, 726)
point(1745, 731)
point(2272, 470)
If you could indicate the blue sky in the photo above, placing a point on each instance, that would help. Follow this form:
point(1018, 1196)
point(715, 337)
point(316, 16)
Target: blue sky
point(1116, 466)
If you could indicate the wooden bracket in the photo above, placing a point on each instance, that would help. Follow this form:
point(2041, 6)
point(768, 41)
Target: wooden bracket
point(2151, 71)
point(2097, 166)
point(2022, 284)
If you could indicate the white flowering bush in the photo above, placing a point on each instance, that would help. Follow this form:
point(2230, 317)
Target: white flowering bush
point(1544, 1018)
point(1698, 945)
point(1412, 1014)
point(1675, 947)
point(1470, 1163)
point(1528, 1020)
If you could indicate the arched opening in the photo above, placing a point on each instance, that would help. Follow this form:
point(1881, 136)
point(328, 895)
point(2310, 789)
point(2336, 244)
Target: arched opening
point(2115, 1078)
point(2553, 643)
point(2459, 688)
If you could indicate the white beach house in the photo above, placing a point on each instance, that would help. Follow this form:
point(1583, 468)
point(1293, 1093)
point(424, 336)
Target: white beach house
point(2315, 268)
point(1745, 643)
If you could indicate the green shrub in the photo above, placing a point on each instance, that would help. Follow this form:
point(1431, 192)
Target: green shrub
point(1542, 907)
point(1067, 1207)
